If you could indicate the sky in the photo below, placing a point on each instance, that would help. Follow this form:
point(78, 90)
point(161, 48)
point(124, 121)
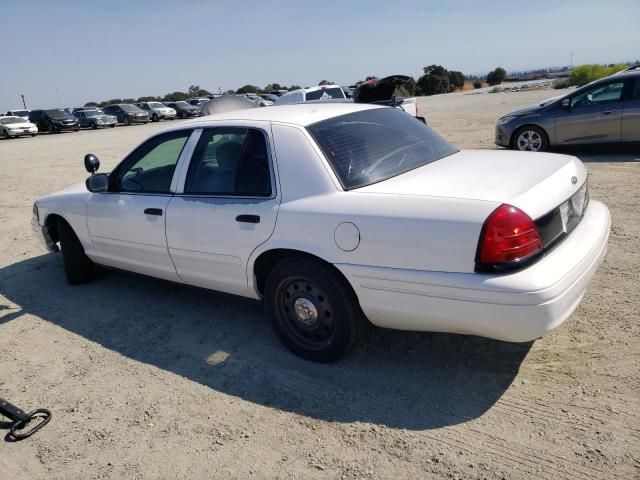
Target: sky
point(68, 52)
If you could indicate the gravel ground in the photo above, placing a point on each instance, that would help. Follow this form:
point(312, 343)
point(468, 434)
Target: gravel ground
point(149, 379)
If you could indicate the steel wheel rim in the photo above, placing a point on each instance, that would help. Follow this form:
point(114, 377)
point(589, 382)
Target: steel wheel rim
point(296, 301)
point(529, 141)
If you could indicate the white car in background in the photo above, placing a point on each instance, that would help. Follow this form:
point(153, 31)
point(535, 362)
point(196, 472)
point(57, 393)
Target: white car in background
point(337, 213)
point(11, 127)
point(322, 92)
point(24, 114)
point(157, 111)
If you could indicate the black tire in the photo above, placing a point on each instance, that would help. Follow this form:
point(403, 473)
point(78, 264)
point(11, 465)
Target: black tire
point(302, 287)
point(183, 115)
point(94, 125)
point(76, 129)
point(51, 128)
point(34, 134)
point(537, 140)
point(77, 266)
point(127, 122)
point(112, 126)
point(155, 118)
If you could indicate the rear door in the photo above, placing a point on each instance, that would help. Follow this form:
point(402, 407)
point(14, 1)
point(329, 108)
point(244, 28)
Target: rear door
point(595, 115)
point(127, 223)
point(226, 208)
point(631, 112)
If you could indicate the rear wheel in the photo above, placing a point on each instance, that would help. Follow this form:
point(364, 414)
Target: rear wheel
point(51, 128)
point(94, 125)
point(530, 139)
point(154, 118)
point(77, 266)
point(314, 311)
point(127, 122)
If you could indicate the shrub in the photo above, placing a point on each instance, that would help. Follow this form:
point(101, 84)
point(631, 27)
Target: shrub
point(564, 83)
point(584, 74)
point(477, 84)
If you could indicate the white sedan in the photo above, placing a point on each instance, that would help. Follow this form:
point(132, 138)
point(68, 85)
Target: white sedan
point(11, 127)
point(335, 214)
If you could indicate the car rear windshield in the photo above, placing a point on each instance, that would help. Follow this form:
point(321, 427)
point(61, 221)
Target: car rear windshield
point(130, 108)
point(56, 113)
point(20, 113)
point(325, 94)
point(369, 146)
point(10, 120)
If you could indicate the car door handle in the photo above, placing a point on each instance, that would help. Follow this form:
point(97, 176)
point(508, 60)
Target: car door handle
point(248, 218)
point(153, 211)
point(607, 112)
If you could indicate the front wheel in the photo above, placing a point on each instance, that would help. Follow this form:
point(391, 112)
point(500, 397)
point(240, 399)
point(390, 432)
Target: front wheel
point(154, 118)
point(127, 122)
point(77, 266)
point(314, 311)
point(530, 139)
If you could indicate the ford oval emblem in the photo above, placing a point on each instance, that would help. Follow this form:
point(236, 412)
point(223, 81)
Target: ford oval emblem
point(574, 180)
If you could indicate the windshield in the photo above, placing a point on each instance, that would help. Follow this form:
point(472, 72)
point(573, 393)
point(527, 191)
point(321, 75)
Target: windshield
point(182, 104)
point(7, 121)
point(92, 113)
point(56, 113)
point(130, 108)
point(325, 94)
point(20, 113)
point(155, 105)
point(372, 145)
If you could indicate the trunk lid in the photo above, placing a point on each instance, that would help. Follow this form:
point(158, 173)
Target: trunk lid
point(536, 183)
point(378, 90)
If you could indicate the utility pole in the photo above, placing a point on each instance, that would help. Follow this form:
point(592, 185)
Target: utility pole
point(571, 64)
point(23, 102)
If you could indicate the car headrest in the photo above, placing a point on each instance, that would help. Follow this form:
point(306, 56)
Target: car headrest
point(228, 155)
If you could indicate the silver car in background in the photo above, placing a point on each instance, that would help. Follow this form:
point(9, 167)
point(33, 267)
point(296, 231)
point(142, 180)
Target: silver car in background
point(605, 111)
point(157, 111)
point(95, 118)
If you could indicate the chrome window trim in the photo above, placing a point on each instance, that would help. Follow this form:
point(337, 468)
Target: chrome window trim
point(274, 190)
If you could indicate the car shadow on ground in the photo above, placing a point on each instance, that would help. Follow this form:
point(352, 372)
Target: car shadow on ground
point(399, 379)
point(603, 153)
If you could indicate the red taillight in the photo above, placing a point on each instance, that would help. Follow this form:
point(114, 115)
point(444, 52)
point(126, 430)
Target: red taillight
point(509, 235)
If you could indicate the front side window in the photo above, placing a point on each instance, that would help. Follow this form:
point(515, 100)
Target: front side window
point(599, 95)
point(230, 161)
point(635, 93)
point(149, 169)
point(369, 146)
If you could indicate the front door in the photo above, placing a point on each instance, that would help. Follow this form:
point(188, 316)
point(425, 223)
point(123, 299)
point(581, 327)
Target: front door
point(226, 209)
point(631, 112)
point(127, 224)
point(595, 115)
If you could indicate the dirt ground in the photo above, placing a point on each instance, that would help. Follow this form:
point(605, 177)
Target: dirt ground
point(149, 379)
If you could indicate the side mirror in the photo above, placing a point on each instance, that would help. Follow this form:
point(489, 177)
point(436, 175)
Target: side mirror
point(98, 182)
point(91, 163)
point(566, 103)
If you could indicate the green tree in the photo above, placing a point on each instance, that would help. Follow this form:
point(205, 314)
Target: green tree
point(91, 104)
point(477, 84)
point(112, 101)
point(496, 76)
point(175, 97)
point(147, 99)
point(434, 81)
point(456, 79)
point(196, 91)
point(248, 89)
point(294, 87)
point(324, 82)
point(584, 74)
point(128, 100)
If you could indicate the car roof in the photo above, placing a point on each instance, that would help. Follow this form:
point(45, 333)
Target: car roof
point(301, 114)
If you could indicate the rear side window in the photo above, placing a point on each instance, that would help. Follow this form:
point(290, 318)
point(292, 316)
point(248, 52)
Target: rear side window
point(369, 146)
point(325, 94)
point(230, 161)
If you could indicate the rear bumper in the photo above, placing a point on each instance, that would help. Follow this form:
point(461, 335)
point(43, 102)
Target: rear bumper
point(516, 307)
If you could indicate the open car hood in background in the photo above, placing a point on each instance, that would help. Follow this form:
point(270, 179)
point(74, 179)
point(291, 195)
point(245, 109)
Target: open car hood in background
point(378, 89)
